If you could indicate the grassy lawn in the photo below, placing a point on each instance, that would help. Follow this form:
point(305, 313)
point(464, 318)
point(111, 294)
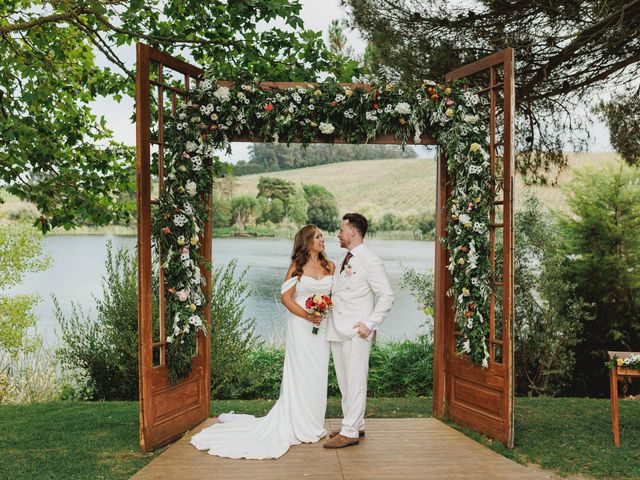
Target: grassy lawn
point(74, 440)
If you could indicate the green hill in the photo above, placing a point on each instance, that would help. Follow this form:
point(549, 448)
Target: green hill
point(373, 187)
point(401, 185)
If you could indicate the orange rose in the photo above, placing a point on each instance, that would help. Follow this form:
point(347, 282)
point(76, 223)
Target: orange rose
point(268, 107)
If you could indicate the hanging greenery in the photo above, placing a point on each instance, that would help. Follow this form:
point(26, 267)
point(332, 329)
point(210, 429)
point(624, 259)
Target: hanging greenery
point(455, 117)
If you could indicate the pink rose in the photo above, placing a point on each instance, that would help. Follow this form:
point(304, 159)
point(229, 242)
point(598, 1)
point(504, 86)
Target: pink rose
point(182, 295)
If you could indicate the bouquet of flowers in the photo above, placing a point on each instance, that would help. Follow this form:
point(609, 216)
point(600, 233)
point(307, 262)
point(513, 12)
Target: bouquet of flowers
point(318, 304)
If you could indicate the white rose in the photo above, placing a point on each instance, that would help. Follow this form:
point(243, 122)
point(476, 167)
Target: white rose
point(465, 219)
point(222, 94)
point(403, 108)
point(191, 188)
point(191, 146)
point(471, 118)
point(326, 128)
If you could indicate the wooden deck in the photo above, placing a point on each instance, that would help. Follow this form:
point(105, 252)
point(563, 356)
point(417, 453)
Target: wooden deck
point(407, 448)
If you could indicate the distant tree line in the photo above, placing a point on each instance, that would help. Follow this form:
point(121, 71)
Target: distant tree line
point(267, 157)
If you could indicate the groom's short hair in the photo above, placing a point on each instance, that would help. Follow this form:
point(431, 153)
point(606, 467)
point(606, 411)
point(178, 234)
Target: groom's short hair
point(358, 221)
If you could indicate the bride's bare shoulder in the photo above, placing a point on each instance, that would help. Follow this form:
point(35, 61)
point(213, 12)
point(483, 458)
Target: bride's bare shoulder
point(332, 267)
point(292, 268)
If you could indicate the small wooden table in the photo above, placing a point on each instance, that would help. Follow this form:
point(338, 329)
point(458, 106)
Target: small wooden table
point(614, 374)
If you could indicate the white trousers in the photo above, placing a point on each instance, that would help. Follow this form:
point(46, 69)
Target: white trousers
point(351, 359)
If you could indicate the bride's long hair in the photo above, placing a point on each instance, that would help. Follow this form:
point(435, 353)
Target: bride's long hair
point(301, 250)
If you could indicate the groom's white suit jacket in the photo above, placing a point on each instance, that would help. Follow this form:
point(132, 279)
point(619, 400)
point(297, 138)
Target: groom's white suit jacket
point(361, 293)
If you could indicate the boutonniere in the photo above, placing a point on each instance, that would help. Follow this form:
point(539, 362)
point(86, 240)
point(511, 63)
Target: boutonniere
point(348, 270)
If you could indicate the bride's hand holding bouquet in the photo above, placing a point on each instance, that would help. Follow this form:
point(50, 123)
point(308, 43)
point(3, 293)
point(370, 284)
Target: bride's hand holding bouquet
point(318, 306)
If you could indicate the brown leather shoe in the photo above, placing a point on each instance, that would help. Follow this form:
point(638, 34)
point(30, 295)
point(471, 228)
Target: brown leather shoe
point(340, 441)
point(333, 433)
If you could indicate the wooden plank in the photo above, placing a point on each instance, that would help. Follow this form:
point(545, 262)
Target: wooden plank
point(477, 66)
point(387, 139)
point(143, 198)
point(439, 319)
point(508, 290)
point(406, 448)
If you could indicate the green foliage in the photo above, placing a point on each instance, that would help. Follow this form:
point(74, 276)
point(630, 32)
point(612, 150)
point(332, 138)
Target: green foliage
point(269, 157)
point(601, 245)
point(232, 335)
point(54, 152)
point(548, 314)
point(622, 116)
point(221, 215)
point(244, 210)
point(425, 223)
point(323, 208)
point(269, 187)
point(277, 192)
point(298, 207)
point(396, 369)
point(276, 211)
point(30, 376)
point(103, 352)
point(401, 369)
point(20, 252)
point(390, 221)
point(421, 286)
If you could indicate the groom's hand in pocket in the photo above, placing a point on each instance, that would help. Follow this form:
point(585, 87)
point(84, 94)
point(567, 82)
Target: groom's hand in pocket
point(362, 330)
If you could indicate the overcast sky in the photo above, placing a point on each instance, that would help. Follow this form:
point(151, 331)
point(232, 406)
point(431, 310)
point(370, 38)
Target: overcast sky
point(317, 15)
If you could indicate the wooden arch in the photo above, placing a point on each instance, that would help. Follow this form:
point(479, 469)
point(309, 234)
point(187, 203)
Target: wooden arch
point(481, 399)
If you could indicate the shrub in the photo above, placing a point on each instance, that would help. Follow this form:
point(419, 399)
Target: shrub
point(29, 376)
point(421, 286)
point(397, 369)
point(221, 211)
point(323, 208)
point(390, 222)
point(276, 210)
point(232, 335)
point(103, 352)
point(244, 210)
point(298, 207)
point(600, 244)
point(402, 369)
point(547, 312)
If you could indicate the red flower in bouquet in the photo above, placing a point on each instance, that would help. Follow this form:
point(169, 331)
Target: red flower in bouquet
point(319, 304)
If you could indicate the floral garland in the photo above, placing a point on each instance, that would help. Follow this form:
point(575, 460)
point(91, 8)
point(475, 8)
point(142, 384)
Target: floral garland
point(213, 113)
point(632, 361)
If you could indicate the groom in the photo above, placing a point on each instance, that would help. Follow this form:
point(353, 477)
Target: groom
point(362, 297)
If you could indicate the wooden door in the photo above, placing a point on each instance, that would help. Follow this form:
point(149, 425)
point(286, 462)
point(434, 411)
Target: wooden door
point(166, 410)
point(476, 397)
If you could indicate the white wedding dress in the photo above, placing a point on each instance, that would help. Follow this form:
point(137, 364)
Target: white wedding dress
point(298, 415)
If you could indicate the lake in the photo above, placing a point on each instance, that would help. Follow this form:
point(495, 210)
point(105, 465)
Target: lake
point(78, 266)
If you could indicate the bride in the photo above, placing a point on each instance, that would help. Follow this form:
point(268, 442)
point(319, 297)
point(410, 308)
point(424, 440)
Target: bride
point(298, 415)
